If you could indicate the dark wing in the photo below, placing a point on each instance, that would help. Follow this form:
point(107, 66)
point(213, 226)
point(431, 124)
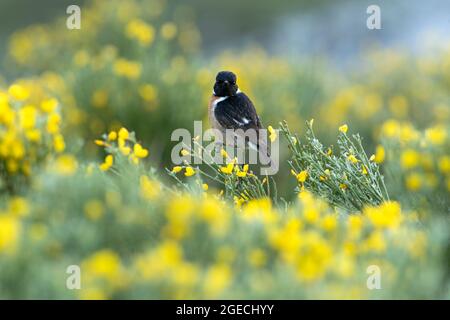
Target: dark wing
point(237, 112)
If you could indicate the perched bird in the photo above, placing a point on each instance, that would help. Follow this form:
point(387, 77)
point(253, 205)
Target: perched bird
point(229, 108)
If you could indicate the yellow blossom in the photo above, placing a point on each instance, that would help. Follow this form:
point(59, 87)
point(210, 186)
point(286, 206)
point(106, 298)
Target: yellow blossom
point(10, 229)
point(413, 181)
point(18, 92)
point(272, 133)
point(189, 171)
point(148, 92)
point(242, 173)
point(380, 154)
point(436, 135)
point(123, 133)
point(103, 264)
point(139, 151)
point(302, 176)
point(409, 158)
point(141, 31)
point(112, 136)
point(176, 169)
point(343, 128)
point(107, 163)
point(386, 215)
point(444, 164)
point(228, 169)
point(352, 158)
point(128, 69)
point(58, 143)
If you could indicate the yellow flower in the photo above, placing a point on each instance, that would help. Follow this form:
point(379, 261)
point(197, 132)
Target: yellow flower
point(364, 170)
point(18, 92)
point(10, 229)
point(94, 209)
point(58, 143)
point(103, 264)
point(386, 215)
point(205, 187)
point(148, 92)
point(380, 154)
point(123, 134)
point(223, 153)
point(329, 223)
point(436, 135)
point(444, 164)
point(184, 152)
point(49, 105)
point(100, 143)
point(189, 172)
point(244, 171)
point(139, 151)
point(272, 133)
point(107, 163)
point(176, 169)
point(352, 158)
point(302, 176)
point(228, 169)
point(141, 31)
point(413, 181)
point(343, 128)
point(27, 116)
point(112, 136)
point(128, 69)
point(53, 122)
point(409, 159)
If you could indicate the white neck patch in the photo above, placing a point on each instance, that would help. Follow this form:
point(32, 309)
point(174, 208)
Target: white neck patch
point(218, 100)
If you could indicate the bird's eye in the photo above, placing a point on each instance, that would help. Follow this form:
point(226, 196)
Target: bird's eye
point(219, 81)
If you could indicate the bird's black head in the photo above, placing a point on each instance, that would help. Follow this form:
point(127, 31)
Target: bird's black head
point(225, 84)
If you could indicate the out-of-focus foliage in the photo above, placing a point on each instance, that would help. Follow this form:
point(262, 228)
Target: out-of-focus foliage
point(133, 237)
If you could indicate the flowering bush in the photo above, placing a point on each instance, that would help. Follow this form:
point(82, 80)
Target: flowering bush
point(30, 132)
